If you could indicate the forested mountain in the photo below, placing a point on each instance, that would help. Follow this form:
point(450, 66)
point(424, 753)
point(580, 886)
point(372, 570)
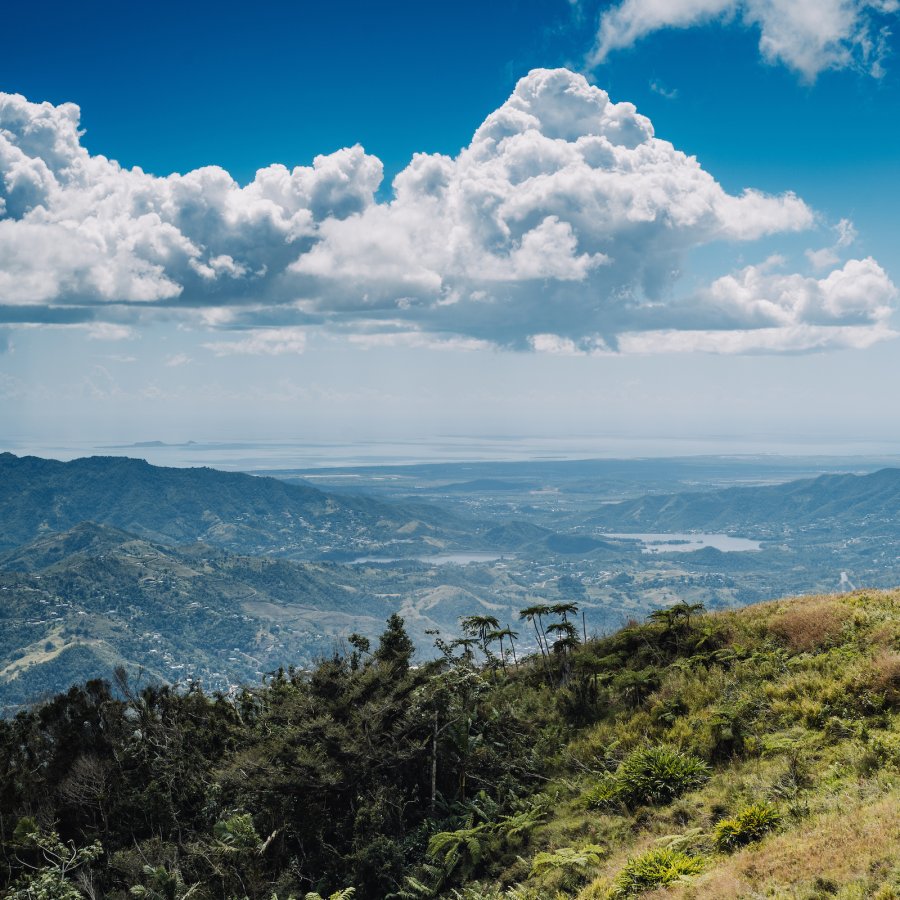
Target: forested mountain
point(76, 604)
point(829, 501)
point(752, 753)
point(242, 513)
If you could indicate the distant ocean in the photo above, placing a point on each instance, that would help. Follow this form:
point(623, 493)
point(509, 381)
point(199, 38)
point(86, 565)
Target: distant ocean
point(249, 456)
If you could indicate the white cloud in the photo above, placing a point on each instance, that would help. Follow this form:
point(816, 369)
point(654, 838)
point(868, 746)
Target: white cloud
point(860, 293)
point(564, 223)
point(792, 339)
point(176, 360)
point(808, 36)
point(262, 342)
point(107, 331)
point(824, 258)
point(659, 88)
point(828, 257)
point(415, 339)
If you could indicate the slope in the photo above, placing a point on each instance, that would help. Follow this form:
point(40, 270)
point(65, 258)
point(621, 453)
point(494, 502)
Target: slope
point(242, 513)
point(832, 501)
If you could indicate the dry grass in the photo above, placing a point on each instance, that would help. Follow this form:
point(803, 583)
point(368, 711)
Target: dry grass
point(852, 843)
point(886, 674)
point(808, 626)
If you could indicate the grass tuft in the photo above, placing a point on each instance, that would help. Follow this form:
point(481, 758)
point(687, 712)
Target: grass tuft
point(749, 825)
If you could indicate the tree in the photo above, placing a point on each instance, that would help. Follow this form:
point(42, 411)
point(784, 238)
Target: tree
point(395, 647)
point(499, 636)
point(466, 644)
point(481, 627)
point(564, 610)
point(49, 876)
point(567, 636)
point(534, 614)
point(361, 647)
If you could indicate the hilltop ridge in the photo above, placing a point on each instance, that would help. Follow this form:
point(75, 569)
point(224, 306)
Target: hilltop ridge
point(239, 512)
point(833, 500)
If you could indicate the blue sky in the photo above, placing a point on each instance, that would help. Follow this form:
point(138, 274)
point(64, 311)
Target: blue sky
point(547, 285)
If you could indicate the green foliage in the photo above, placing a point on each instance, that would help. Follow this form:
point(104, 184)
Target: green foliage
point(237, 834)
point(568, 859)
point(395, 647)
point(410, 782)
point(652, 775)
point(163, 884)
point(53, 866)
point(749, 824)
point(461, 849)
point(653, 869)
point(345, 894)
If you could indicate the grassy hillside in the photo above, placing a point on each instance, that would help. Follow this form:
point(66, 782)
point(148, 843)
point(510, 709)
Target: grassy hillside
point(753, 753)
point(798, 717)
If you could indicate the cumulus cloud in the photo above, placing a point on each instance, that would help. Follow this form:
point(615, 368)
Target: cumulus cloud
point(563, 224)
point(808, 36)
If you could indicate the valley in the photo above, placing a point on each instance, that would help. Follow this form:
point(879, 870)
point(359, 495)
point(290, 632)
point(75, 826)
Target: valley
point(197, 575)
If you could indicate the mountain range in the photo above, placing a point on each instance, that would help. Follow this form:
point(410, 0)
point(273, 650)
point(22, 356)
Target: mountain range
point(847, 502)
point(239, 512)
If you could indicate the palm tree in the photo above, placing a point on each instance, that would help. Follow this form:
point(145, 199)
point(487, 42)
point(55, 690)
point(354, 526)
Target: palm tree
point(481, 627)
point(568, 636)
point(467, 644)
point(512, 636)
point(534, 614)
point(685, 610)
point(498, 636)
point(564, 610)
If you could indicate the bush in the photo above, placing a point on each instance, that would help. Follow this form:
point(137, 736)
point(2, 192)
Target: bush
point(653, 775)
point(654, 868)
point(749, 825)
point(658, 775)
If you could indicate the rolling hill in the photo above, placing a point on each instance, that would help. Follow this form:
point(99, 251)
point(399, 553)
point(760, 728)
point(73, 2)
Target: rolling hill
point(239, 512)
point(846, 502)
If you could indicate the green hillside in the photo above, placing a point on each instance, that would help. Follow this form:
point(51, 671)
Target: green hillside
point(241, 513)
point(78, 603)
point(743, 754)
point(843, 502)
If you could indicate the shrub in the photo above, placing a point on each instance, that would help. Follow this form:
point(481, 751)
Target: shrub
point(653, 869)
point(658, 775)
point(650, 775)
point(750, 824)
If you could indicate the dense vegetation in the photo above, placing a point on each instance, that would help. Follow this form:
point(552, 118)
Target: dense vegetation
point(725, 755)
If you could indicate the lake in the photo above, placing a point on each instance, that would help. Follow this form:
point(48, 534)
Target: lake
point(687, 543)
point(462, 558)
